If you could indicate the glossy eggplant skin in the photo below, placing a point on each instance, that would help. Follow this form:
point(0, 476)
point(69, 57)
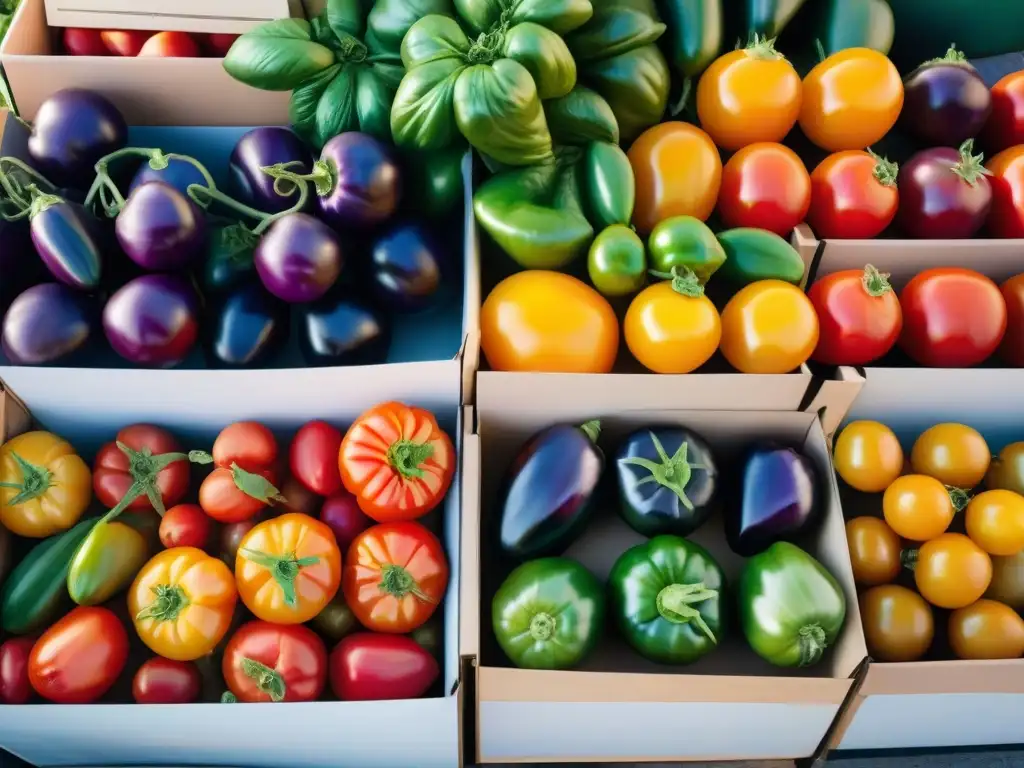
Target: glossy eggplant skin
point(343, 329)
point(178, 173)
point(161, 229)
point(299, 258)
point(261, 147)
point(153, 320)
point(548, 491)
point(778, 496)
point(368, 181)
point(945, 102)
point(66, 238)
point(668, 481)
point(49, 323)
point(407, 268)
point(245, 328)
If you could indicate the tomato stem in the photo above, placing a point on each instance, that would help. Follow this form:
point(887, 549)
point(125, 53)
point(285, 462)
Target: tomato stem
point(673, 472)
point(35, 481)
point(406, 456)
point(228, 698)
point(886, 172)
point(284, 568)
point(542, 626)
point(170, 602)
point(763, 49)
point(145, 469)
point(971, 167)
point(255, 486)
point(908, 559)
point(675, 604)
point(398, 582)
point(268, 680)
point(952, 56)
point(812, 644)
point(875, 283)
point(592, 429)
point(959, 497)
point(684, 281)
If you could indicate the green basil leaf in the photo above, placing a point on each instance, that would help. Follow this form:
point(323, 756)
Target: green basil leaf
point(545, 56)
point(336, 113)
point(560, 16)
point(277, 56)
point(304, 101)
point(390, 20)
point(373, 103)
point(581, 117)
point(422, 116)
point(432, 38)
point(345, 17)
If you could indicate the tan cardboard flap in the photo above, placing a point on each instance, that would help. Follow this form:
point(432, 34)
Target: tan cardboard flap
point(225, 16)
point(836, 396)
point(933, 677)
point(469, 598)
point(14, 416)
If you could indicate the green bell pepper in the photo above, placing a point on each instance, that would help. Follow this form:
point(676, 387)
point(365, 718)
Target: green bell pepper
point(617, 56)
point(756, 254)
point(693, 39)
point(767, 18)
point(548, 614)
point(36, 590)
point(791, 608)
point(856, 24)
point(685, 241)
point(106, 561)
point(609, 184)
point(668, 599)
point(616, 262)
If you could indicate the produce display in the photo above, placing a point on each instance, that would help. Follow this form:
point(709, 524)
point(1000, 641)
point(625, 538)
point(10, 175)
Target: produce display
point(669, 598)
point(241, 593)
point(939, 558)
point(79, 41)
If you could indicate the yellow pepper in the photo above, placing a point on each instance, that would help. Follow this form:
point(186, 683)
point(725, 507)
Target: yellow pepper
point(44, 485)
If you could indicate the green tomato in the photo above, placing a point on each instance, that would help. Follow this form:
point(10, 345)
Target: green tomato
point(756, 254)
point(685, 241)
point(616, 262)
point(790, 607)
point(106, 561)
point(668, 599)
point(548, 614)
point(609, 183)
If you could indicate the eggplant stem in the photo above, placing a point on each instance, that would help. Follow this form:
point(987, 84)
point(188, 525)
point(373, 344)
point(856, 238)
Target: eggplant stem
point(673, 472)
point(266, 219)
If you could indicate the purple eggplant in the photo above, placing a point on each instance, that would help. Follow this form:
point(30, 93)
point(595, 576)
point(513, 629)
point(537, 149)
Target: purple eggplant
point(406, 266)
point(66, 238)
point(778, 497)
point(20, 268)
point(258, 148)
point(177, 173)
point(161, 229)
point(49, 323)
point(549, 490)
point(73, 129)
point(365, 184)
point(299, 258)
point(246, 327)
point(153, 320)
point(343, 329)
point(945, 193)
point(945, 101)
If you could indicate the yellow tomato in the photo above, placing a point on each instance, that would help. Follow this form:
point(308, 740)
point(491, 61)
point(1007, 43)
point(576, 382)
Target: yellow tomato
point(898, 624)
point(918, 507)
point(868, 456)
point(550, 322)
point(1008, 581)
point(874, 551)
point(672, 327)
point(749, 95)
point(951, 571)
point(995, 522)
point(769, 327)
point(851, 100)
point(678, 172)
point(986, 630)
point(955, 454)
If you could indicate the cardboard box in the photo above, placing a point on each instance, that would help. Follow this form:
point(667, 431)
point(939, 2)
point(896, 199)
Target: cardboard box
point(617, 706)
point(231, 16)
point(149, 91)
point(427, 348)
point(314, 735)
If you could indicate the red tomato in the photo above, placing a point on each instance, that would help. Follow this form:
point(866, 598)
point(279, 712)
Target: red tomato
point(1006, 216)
point(369, 667)
point(123, 466)
point(162, 681)
point(14, 685)
point(170, 45)
point(853, 196)
point(247, 443)
point(952, 318)
point(1005, 126)
point(125, 42)
point(79, 658)
point(342, 515)
point(1011, 349)
point(764, 186)
point(275, 662)
point(185, 525)
point(859, 316)
point(314, 457)
point(234, 495)
point(220, 43)
point(84, 42)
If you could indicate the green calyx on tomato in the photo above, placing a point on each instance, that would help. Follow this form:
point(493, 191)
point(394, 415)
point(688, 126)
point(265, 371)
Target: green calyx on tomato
point(144, 468)
point(875, 283)
point(251, 484)
point(684, 281)
point(667, 595)
point(886, 171)
point(672, 472)
point(398, 582)
point(406, 456)
point(616, 262)
point(686, 241)
point(284, 568)
point(170, 601)
point(35, 481)
point(753, 255)
point(268, 680)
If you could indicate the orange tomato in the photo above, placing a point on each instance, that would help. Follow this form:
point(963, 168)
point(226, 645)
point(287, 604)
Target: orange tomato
point(550, 322)
point(1006, 216)
point(851, 100)
point(868, 456)
point(952, 571)
point(898, 624)
point(986, 630)
point(768, 327)
point(672, 327)
point(749, 95)
point(288, 568)
point(874, 551)
point(995, 522)
point(1011, 348)
point(1008, 581)
point(918, 507)
point(678, 173)
point(954, 454)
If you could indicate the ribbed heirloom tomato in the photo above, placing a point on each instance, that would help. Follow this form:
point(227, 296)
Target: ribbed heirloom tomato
point(269, 662)
point(764, 186)
point(868, 456)
point(859, 316)
point(853, 196)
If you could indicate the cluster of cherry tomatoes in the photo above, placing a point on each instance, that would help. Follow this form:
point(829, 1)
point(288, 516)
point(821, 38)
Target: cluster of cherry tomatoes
point(137, 42)
point(952, 516)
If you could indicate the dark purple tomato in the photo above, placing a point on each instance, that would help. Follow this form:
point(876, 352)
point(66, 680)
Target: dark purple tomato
point(73, 129)
point(20, 268)
point(945, 101)
point(176, 173)
point(341, 329)
point(343, 516)
point(257, 149)
point(943, 194)
point(299, 258)
point(66, 238)
point(366, 181)
point(49, 323)
point(153, 320)
point(406, 267)
point(161, 229)
point(246, 327)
